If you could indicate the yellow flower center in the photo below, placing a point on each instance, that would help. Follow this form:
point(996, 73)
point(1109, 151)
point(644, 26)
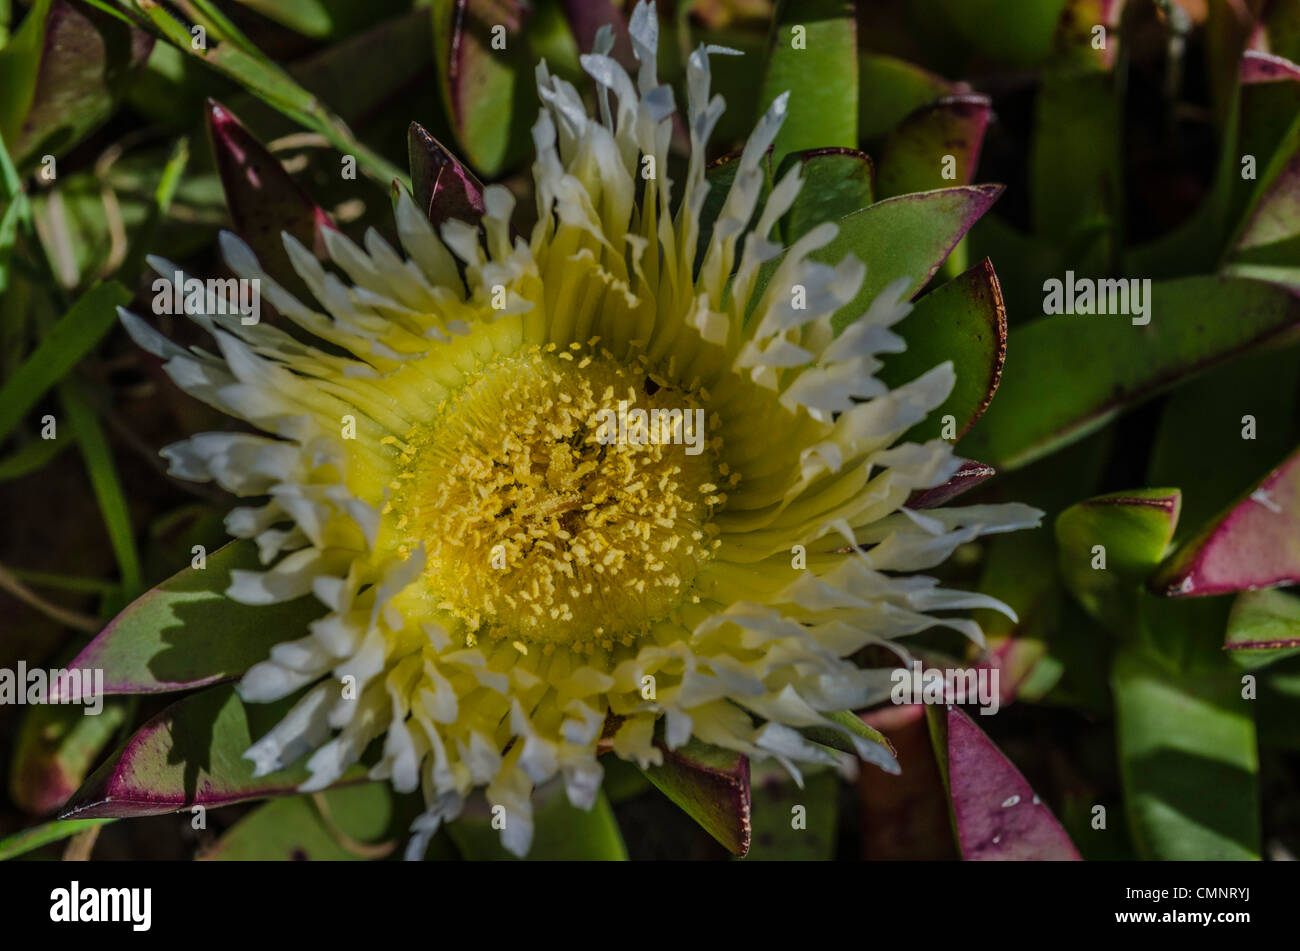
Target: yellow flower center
point(563, 498)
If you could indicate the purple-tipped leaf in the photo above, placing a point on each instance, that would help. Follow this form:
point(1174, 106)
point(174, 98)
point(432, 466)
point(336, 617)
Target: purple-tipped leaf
point(996, 814)
point(186, 633)
point(191, 754)
point(964, 479)
point(1255, 544)
point(264, 199)
point(1263, 626)
point(442, 186)
point(711, 785)
point(908, 236)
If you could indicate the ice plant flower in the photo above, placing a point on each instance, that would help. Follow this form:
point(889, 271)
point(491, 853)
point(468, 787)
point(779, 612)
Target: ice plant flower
point(513, 590)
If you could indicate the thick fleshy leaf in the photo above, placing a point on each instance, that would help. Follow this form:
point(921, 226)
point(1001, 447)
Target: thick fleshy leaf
point(57, 745)
point(909, 236)
point(1186, 736)
point(963, 321)
point(1018, 34)
point(186, 633)
point(1101, 365)
point(1263, 626)
point(1255, 544)
point(1051, 646)
point(1275, 219)
point(264, 199)
point(561, 831)
point(891, 89)
point(350, 824)
point(711, 785)
point(836, 182)
point(916, 155)
point(793, 824)
point(191, 754)
point(1108, 546)
point(905, 817)
point(1076, 40)
point(87, 58)
point(489, 93)
point(996, 815)
point(442, 186)
point(813, 56)
point(1078, 194)
point(969, 475)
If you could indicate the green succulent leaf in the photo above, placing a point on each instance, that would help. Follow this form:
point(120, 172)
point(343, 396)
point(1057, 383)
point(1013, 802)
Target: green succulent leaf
point(963, 321)
point(711, 785)
point(915, 155)
point(489, 94)
point(1077, 193)
point(1018, 34)
point(1108, 546)
point(909, 236)
point(57, 745)
point(1100, 366)
point(890, 90)
point(562, 831)
point(1263, 627)
point(186, 633)
point(1187, 746)
point(813, 55)
point(853, 724)
point(191, 754)
point(349, 824)
point(793, 824)
point(836, 182)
